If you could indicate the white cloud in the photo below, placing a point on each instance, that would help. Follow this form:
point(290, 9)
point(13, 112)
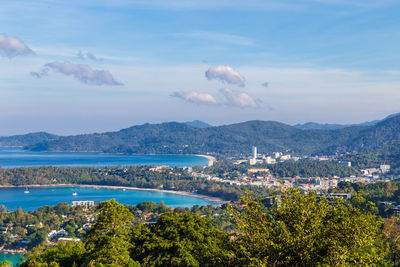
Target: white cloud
point(225, 74)
point(82, 73)
point(12, 46)
point(195, 97)
point(239, 99)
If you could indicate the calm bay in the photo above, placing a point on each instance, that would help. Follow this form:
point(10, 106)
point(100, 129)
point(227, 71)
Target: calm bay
point(14, 198)
point(14, 157)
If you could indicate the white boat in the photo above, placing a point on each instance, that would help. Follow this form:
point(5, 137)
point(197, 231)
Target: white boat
point(74, 193)
point(26, 191)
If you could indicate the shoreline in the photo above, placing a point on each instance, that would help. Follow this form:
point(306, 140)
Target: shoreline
point(13, 251)
point(211, 159)
point(213, 200)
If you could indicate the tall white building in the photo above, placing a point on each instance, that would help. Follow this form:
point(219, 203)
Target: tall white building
point(385, 168)
point(254, 150)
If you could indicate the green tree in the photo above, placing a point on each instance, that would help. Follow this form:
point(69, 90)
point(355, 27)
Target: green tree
point(107, 243)
point(303, 230)
point(70, 254)
point(392, 235)
point(180, 240)
point(5, 264)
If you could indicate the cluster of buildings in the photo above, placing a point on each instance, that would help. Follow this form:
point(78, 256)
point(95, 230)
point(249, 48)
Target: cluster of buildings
point(371, 172)
point(262, 176)
point(268, 159)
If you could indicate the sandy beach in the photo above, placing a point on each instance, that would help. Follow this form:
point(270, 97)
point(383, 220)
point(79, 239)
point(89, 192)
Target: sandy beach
point(13, 251)
point(211, 159)
point(215, 200)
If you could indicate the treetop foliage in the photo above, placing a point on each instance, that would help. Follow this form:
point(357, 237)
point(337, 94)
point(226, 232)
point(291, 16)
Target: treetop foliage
point(300, 230)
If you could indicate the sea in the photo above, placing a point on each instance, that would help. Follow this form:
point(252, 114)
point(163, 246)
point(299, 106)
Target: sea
point(18, 197)
point(13, 258)
point(16, 157)
point(14, 198)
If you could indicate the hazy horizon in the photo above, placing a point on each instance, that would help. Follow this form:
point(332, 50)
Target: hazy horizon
point(213, 125)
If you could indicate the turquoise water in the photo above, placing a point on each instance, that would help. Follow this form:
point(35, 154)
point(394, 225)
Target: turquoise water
point(13, 258)
point(14, 157)
point(14, 198)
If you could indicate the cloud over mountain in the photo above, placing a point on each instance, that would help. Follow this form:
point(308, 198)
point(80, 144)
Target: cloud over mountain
point(238, 98)
point(225, 74)
point(195, 97)
point(82, 73)
point(12, 46)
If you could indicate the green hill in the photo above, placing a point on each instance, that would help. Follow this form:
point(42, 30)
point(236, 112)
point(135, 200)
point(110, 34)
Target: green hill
point(26, 139)
point(234, 139)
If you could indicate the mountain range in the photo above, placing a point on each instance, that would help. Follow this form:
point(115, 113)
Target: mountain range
point(233, 139)
point(329, 126)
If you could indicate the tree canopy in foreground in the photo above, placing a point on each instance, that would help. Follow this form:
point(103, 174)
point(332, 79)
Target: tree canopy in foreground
point(301, 230)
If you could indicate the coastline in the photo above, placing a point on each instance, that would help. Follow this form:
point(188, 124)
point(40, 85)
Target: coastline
point(214, 200)
point(13, 251)
point(211, 159)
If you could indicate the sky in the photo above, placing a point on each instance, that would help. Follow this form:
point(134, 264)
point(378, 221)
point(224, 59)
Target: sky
point(70, 67)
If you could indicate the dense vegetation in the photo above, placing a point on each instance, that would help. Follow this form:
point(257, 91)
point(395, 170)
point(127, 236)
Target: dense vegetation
point(137, 176)
point(26, 139)
point(25, 230)
point(382, 191)
point(180, 138)
point(301, 231)
point(306, 169)
point(387, 155)
point(303, 168)
point(21, 230)
point(386, 195)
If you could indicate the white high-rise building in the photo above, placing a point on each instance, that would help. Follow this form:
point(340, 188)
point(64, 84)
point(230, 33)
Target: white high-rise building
point(254, 150)
point(385, 168)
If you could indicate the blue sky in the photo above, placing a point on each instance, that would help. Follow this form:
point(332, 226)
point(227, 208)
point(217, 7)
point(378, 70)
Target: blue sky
point(72, 67)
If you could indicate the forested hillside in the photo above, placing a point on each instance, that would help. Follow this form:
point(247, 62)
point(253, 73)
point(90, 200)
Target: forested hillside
point(234, 139)
point(26, 139)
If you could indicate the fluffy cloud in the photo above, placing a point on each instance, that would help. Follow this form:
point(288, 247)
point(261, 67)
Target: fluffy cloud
point(82, 73)
point(195, 97)
point(239, 99)
point(225, 74)
point(11, 46)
